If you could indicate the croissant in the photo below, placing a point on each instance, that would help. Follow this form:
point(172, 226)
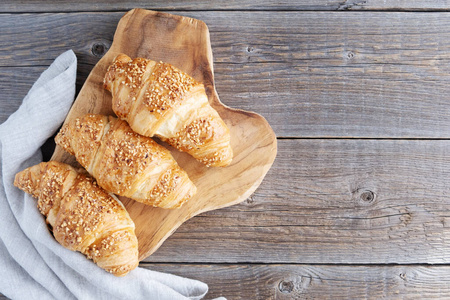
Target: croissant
point(157, 99)
point(126, 163)
point(83, 216)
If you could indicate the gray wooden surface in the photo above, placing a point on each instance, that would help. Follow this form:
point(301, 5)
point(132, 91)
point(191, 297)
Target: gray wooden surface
point(358, 92)
point(311, 74)
point(217, 5)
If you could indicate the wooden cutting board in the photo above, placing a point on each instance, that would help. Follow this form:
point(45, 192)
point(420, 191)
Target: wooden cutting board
point(183, 42)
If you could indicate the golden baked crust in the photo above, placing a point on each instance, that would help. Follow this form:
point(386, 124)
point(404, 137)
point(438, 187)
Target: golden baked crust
point(159, 99)
point(126, 163)
point(83, 216)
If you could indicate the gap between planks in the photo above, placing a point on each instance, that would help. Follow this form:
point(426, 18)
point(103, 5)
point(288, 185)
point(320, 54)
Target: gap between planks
point(234, 10)
point(148, 263)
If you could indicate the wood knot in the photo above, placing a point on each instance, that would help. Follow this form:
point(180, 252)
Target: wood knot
point(351, 4)
point(367, 196)
point(99, 49)
point(286, 287)
point(364, 196)
point(350, 55)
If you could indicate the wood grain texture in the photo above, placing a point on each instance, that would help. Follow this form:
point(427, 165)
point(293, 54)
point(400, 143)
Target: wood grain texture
point(332, 74)
point(21, 78)
point(317, 282)
point(328, 5)
point(345, 74)
point(314, 282)
point(184, 43)
point(332, 201)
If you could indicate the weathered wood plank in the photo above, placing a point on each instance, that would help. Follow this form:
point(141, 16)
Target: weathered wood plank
point(310, 74)
point(332, 201)
point(327, 5)
point(15, 82)
point(317, 282)
point(36, 39)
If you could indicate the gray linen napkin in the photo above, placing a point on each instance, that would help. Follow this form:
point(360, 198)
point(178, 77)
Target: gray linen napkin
point(32, 264)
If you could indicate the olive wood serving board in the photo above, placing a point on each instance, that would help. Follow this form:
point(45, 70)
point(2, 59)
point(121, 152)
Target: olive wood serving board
point(183, 42)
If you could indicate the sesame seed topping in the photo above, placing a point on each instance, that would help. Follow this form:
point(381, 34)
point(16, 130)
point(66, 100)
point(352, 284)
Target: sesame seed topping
point(161, 89)
point(82, 134)
point(168, 87)
point(84, 210)
point(127, 155)
point(168, 182)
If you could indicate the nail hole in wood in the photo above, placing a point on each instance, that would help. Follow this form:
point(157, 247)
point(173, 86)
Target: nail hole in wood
point(286, 287)
point(250, 49)
point(350, 55)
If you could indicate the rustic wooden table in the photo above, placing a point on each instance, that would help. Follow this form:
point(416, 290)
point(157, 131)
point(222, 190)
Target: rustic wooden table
point(358, 92)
